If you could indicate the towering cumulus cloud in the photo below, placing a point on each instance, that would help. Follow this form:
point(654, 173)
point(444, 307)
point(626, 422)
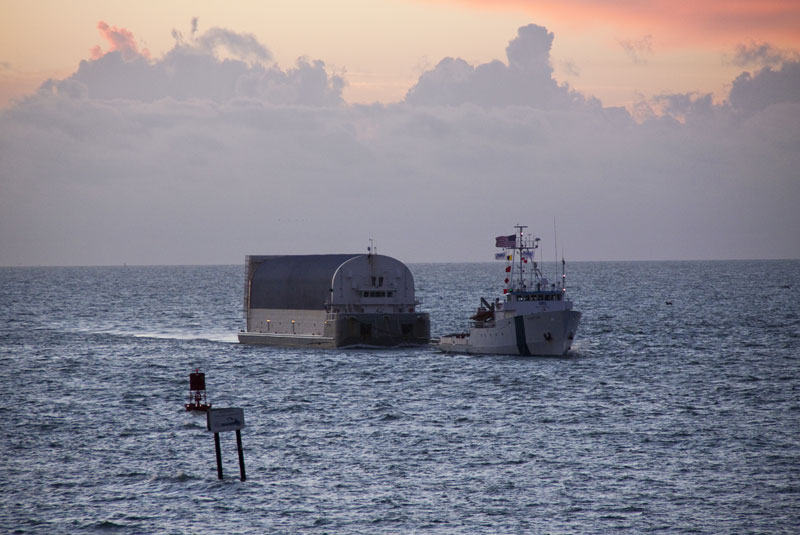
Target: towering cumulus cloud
point(526, 80)
point(212, 151)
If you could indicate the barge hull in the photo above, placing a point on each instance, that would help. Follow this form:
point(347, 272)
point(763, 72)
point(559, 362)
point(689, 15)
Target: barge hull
point(366, 330)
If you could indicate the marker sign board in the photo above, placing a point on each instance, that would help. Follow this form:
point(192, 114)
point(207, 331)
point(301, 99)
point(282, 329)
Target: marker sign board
point(219, 420)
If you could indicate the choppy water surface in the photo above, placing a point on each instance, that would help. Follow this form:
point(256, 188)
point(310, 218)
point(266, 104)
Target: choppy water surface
point(681, 418)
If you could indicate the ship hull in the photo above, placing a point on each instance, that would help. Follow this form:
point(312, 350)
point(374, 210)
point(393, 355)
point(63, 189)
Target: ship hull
point(534, 334)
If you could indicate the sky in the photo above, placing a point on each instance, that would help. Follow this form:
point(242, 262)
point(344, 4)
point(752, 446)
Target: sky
point(197, 132)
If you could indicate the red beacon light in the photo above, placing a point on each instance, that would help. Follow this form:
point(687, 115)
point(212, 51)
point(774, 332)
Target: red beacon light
point(197, 392)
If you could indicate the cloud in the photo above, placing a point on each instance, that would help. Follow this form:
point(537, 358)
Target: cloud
point(638, 49)
point(752, 93)
point(761, 55)
point(193, 69)
point(307, 83)
point(526, 80)
point(193, 159)
point(120, 40)
point(240, 45)
point(682, 106)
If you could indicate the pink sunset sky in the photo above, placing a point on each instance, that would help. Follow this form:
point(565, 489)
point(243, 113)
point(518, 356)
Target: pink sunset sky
point(615, 50)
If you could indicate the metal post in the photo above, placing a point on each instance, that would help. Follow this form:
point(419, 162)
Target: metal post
point(219, 455)
point(241, 454)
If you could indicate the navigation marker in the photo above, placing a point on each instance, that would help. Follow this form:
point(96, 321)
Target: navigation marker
point(221, 420)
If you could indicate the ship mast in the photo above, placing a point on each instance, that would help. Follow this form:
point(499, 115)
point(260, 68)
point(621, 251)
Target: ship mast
point(520, 246)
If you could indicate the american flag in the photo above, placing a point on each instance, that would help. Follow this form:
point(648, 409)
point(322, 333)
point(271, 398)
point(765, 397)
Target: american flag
point(506, 241)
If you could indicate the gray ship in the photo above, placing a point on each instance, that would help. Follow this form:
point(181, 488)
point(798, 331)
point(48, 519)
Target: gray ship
point(331, 300)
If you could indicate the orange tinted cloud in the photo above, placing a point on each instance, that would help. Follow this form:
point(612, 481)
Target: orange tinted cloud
point(120, 40)
point(704, 22)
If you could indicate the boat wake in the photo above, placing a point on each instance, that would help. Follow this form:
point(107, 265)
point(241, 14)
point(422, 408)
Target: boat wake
point(228, 337)
point(224, 337)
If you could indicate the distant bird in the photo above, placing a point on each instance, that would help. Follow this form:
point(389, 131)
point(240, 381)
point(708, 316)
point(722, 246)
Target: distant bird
point(668, 302)
point(786, 286)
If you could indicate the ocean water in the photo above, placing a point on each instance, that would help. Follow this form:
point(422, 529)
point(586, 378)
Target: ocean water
point(666, 418)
